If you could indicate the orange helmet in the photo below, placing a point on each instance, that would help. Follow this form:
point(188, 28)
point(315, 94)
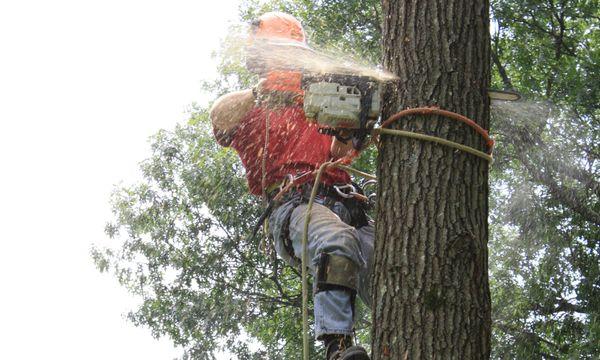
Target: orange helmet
point(279, 26)
point(276, 27)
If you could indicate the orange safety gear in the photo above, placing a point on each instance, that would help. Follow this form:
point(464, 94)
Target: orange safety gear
point(285, 30)
point(280, 26)
point(288, 81)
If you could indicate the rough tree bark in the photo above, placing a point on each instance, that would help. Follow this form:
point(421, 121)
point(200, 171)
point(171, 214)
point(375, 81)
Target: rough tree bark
point(430, 284)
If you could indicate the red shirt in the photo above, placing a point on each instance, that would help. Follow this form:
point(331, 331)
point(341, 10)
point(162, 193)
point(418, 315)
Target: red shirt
point(294, 146)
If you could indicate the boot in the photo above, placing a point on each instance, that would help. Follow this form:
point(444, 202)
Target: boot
point(340, 347)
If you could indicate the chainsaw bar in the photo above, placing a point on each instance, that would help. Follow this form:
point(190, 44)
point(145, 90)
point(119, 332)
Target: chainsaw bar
point(504, 95)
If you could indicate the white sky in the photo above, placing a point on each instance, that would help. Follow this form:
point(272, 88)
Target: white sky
point(83, 84)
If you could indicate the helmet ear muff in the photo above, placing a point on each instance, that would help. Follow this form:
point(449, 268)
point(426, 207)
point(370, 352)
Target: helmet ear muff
point(253, 62)
point(254, 25)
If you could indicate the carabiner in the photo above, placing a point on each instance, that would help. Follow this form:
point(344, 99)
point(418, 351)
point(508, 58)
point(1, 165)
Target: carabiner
point(339, 189)
point(369, 183)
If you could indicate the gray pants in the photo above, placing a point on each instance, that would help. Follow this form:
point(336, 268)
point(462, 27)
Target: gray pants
point(328, 232)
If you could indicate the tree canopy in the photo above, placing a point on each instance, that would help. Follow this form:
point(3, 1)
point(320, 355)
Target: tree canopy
point(179, 238)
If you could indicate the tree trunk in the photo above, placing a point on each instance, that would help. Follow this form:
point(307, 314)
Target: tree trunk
point(430, 283)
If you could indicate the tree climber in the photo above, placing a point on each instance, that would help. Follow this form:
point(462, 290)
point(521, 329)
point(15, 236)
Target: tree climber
point(269, 131)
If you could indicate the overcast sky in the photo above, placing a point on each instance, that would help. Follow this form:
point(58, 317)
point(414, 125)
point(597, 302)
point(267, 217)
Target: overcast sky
point(83, 84)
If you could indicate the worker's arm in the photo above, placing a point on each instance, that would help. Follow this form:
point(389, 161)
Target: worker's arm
point(227, 112)
point(339, 149)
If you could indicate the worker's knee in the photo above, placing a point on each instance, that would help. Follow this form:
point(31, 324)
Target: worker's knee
point(327, 233)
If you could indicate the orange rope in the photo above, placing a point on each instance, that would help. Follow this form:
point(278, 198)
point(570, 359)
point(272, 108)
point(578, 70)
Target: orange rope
point(449, 114)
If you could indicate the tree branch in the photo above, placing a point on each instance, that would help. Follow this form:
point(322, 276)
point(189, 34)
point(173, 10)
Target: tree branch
point(561, 306)
point(565, 196)
point(502, 71)
point(530, 335)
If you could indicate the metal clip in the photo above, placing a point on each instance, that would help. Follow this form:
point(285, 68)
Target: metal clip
point(372, 198)
point(340, 190)
point(368, 183)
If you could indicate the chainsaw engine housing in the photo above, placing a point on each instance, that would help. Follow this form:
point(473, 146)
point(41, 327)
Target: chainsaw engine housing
point(341, 101)
point(336, 105)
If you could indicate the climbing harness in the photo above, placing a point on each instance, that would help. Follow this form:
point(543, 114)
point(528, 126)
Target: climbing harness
point(272, 202)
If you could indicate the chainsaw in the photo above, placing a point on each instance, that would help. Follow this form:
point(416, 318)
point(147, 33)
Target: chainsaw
point(342, 97)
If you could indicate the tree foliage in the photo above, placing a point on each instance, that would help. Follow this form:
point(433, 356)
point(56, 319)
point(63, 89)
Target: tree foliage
point(179, 237)
point(545, 254)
